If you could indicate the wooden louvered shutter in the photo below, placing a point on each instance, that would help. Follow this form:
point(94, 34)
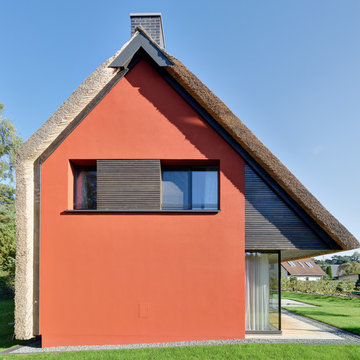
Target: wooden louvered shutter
point(128, 184)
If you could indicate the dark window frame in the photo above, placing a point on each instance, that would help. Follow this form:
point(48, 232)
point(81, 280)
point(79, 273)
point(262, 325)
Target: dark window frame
point(190, 168)
point(278, 252)
point(167, 165)
point(77, 170)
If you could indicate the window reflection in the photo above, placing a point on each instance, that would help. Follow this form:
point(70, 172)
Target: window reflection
point(190, 188)
point(262, 291)
point(85, 187)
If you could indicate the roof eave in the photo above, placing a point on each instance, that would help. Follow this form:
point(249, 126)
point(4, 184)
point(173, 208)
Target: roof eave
point(262, 155)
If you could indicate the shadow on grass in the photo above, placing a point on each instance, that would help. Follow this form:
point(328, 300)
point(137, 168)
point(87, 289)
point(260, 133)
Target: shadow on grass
point(6, 324)
point(355, 330)
point(316, 313)
point(341, 321)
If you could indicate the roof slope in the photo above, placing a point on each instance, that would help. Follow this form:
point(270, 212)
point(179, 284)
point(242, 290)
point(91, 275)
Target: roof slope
point(265, 158)
point(304, 270)
point(231, 123)
point(77, 106)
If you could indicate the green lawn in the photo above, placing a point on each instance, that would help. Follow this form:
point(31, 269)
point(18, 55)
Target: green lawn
point(243, 351)
point(228, 352)
point(6, 331)
point(343, 313)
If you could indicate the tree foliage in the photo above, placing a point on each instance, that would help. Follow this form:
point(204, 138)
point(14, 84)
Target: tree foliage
point(338, 260)
point(9, 144)
point(352, 267)
point(329, 272)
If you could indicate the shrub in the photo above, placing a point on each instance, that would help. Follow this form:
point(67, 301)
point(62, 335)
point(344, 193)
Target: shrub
point(321, 287)
point(329, 272)
point(357, 285)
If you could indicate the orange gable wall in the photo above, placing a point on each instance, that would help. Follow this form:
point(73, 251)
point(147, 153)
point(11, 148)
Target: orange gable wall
point(134, 278)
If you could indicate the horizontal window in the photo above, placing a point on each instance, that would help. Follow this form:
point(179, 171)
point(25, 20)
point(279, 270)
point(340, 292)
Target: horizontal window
point(190, 188)
point(132, 185)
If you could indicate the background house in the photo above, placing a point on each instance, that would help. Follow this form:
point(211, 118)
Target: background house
point(304, 269)
point(352, 277)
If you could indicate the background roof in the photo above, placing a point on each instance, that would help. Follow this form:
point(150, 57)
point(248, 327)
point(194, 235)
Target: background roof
point(302, 270)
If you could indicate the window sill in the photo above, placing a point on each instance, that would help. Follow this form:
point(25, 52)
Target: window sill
point(205, 211)
point(264, 332)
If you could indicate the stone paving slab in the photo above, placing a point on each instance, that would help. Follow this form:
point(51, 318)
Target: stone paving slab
point(294, 328)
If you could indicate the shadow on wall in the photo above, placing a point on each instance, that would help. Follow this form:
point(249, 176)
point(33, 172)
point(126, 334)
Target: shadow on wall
point(171, 105)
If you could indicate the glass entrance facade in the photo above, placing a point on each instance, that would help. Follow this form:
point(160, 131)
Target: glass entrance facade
point(262, 291)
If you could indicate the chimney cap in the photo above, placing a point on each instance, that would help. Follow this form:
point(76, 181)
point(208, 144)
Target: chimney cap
point(151, 23)
point(145, 14)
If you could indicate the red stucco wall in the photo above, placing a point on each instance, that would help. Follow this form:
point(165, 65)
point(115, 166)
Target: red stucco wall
point(132, 278)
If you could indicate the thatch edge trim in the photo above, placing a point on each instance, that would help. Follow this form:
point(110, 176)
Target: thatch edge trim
point(261, 154)
point(31, 150)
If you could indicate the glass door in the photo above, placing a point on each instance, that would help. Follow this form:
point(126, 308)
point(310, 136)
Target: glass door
point(262, 291)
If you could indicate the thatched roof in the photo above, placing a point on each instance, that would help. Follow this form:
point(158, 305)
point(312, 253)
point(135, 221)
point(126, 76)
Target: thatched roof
point(262, 155)
point(70, 111)
point(258, 151)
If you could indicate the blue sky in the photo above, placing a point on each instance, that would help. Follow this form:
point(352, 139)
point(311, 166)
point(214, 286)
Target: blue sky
point(288, 69)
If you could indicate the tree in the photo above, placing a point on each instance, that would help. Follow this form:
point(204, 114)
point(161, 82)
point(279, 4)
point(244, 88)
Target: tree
point(339, 259)
point(9, 144)
point(355, 256)
point(352, 267)
point(324, 265)
point(357, 285)
point(329, 272)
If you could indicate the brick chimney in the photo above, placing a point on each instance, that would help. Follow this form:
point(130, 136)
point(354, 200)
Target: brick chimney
point(151, 23)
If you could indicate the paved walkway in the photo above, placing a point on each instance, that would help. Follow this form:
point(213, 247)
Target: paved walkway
point(289, 303)
point(296, 329)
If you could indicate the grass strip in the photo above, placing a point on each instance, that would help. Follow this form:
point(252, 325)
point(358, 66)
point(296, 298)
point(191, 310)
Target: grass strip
point(6, 330)
point(341, 312)
point(229, 352)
